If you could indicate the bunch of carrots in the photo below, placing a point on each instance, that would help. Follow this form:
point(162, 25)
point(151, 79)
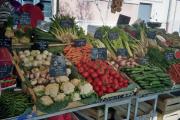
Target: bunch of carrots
point(75, 54)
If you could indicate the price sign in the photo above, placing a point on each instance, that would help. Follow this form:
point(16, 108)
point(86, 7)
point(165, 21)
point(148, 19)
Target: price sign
point(151, 34)
point(99, 53)
point(6, 42)
point(113, 35)
point(177, 54)
point(16, 19)
point(80, 42)
point(41, 45)
point(67, 23)
point(58, 66)
point(169, 56)
point(25, 19)
point(43, 25)
point(98, 35)
point(122, 52)
point(144, 60)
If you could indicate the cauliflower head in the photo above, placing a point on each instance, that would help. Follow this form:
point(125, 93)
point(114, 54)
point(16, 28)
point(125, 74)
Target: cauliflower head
point(60, 79)
point(75, 82)
point(59, 97)
point(39, 90)
point(46, 100)
point(76, 97)
point(67, 87)
point(86, 89)
point(52, 89)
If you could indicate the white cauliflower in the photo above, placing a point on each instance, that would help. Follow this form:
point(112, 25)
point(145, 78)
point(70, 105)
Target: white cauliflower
point(52, 89)
point(75, 82)
point(59, 97)
point(60, 79)
point(39, 90)
point(67, 87)
point(46, 100)
point(86, 89)
point(76, 97)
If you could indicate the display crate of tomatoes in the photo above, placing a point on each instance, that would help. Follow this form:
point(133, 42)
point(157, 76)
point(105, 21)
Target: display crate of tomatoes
point(106, 81)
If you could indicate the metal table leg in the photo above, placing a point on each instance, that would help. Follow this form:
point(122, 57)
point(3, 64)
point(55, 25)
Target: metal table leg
point(143, 99)
point(108, 105)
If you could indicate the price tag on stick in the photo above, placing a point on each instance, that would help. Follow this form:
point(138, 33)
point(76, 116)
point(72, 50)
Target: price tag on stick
point(25, 19)
point(58, 66)
point(98, 35)
point(99, 53)
point(169, 56)
point(113, 35)
point(67, 23)
point(41, 45)
point(80, 42)
point(177, 54)
point(122, 52)
point(6, 42)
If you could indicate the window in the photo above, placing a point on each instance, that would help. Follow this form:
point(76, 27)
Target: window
point(47, 7)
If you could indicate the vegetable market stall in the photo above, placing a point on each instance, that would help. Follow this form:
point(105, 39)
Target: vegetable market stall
point(61, 69)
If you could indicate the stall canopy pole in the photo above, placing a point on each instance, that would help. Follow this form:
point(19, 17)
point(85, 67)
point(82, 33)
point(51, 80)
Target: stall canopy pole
point(57, 12)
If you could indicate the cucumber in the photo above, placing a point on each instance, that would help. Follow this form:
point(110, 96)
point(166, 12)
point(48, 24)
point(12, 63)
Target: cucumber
point(162, 75)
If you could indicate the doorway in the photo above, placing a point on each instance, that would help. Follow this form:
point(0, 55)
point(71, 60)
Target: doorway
point(145, 11)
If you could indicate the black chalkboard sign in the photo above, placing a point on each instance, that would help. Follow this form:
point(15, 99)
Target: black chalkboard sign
point(113, 35)
point(67, 23)
point(16, 19)
point(123, 20)
point(43, 25)
point(80, 42)
point(98, 35)
point(58, 66)
point(122, 52)
point(144, 60)
point(169, 56)
point(41, 45)
point(25, 19)
point(6, 42)
point(99, 53)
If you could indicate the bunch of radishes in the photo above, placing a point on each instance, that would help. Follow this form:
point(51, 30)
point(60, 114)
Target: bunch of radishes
point(103, 77)
point(124, 62)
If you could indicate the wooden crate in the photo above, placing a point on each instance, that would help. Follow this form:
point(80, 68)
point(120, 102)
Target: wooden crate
point(170, 116)
point(144, 111)
point(168, 103)
point(94, 113)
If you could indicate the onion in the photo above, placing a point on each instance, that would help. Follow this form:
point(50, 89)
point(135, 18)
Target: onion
point(43, 75)
point(123, 63)
point(27, 53)
point(22, 56)
point(39, 57)
point(31, 76)
point(20, 53)
point(37, 75)
point(44, 56)
point(45, 52)
point(119, 58)
point(112, 63)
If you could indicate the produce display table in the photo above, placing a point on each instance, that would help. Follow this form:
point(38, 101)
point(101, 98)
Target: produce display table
point(76, 106)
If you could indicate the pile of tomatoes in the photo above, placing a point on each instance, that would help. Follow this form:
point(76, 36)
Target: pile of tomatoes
point(102, 76)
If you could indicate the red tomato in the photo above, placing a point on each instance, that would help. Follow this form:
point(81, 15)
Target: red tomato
point(81, 70)
point(94, 75)
point(91, 71)
point(85, 74)
point(99, 83)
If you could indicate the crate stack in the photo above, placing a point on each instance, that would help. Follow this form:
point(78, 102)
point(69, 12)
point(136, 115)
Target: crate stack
point(6, 68)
